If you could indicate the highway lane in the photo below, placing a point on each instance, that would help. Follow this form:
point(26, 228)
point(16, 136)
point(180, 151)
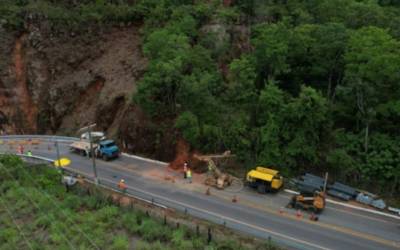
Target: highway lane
point(377, 232)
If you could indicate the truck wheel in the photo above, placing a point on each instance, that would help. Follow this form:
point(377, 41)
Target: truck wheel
point(105, 158)
point(83, 153)
point(261, 188)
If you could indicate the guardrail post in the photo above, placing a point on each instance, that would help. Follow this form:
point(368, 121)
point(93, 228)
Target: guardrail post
point(209, 236)
point(197, 230)
point(165, 220)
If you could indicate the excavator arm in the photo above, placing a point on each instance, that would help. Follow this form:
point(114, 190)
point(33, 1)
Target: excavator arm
point(214, 168)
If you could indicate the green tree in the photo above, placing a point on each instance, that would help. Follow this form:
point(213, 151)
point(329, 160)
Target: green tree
point(305, 126)
point(327, 56)
point(169, 56)
point(271, 48)
point(273, 105)
point(242, 88)
point(371, 75)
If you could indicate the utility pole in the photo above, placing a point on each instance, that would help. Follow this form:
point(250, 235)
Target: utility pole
point(58, 154)
point(326, 181)
point(89, 129)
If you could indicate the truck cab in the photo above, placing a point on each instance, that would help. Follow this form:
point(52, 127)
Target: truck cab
point(107, 150)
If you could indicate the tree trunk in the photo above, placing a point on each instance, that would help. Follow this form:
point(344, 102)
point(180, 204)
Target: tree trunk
point(329, 90)
point(366, 141)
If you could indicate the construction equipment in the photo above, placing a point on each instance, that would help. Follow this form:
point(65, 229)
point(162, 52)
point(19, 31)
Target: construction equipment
point(264, 179)
point(215, 177)
point(312, 201)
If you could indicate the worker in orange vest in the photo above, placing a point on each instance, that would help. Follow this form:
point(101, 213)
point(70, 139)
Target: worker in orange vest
point(122, 186)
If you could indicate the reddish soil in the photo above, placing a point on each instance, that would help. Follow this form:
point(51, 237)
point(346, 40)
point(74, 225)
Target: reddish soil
point(24, 96)
point(184, 154)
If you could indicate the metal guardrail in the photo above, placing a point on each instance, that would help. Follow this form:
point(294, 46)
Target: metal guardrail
point(52, 138)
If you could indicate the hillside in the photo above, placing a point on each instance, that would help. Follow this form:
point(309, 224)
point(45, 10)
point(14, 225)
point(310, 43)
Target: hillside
point(299, 85)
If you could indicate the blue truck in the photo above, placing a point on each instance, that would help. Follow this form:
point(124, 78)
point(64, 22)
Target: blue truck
point(107, 149)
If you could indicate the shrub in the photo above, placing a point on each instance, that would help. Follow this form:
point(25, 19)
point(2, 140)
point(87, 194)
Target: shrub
point(198, 243)
point(90, 202)
point(142, 245)
point(178, 240)
point(107, 214)
point(120, 242)
point(228, 245)
point(72, 202)
point(9, 235)
point(56, 238)
point(129, 222)
point(43, 221)
point(151, 230)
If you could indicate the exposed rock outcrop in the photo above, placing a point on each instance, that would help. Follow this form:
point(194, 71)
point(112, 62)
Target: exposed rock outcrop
point(56, 81)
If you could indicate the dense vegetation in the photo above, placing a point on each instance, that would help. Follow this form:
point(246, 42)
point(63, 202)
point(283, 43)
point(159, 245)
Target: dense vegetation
point(299, 85)
point(316, 88)
point(36, 212)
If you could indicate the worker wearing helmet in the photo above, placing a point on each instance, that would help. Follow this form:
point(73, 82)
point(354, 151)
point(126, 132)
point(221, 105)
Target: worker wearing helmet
point(29, 153)
point(122, 186)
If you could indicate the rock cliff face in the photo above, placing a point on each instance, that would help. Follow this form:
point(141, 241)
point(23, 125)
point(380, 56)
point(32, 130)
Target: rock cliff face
point(56, 81)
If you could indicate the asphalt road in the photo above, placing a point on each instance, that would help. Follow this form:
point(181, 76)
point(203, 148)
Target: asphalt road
point(338, 228)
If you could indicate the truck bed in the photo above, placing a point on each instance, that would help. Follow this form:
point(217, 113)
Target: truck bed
point(81, 145)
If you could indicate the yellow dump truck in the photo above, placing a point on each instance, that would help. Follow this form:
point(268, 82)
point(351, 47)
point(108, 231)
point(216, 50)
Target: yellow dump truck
point(264, 179)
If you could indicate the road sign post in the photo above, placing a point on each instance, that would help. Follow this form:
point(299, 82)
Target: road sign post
point(58, 153)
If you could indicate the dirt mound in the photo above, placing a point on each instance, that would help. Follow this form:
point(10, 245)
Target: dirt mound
point(184, 154)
